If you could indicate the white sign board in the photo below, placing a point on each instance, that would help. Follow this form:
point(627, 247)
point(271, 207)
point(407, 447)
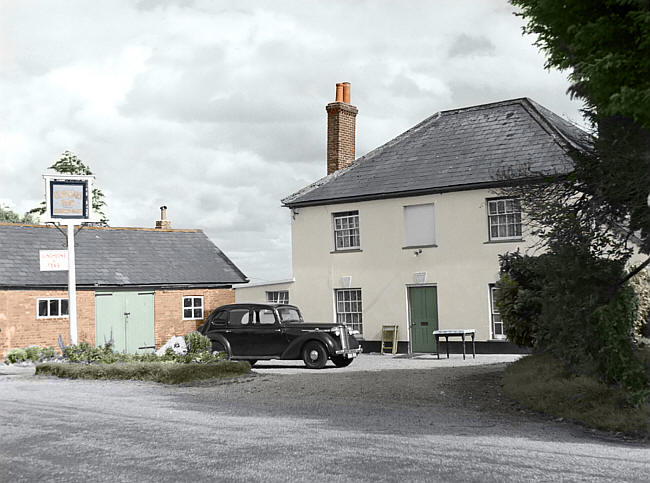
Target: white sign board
point(53, 260)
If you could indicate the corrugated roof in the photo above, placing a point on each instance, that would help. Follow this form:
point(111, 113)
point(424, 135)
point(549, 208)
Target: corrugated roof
point(454, 150)
point(115, 257)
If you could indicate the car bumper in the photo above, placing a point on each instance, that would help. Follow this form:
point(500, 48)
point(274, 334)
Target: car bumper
point(349, 353)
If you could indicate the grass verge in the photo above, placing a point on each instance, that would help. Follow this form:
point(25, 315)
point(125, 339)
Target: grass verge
point(545, 384)
point(169, 373)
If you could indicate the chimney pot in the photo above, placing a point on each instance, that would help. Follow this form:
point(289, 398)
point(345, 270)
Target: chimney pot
point(346, 92)
point(339, 92)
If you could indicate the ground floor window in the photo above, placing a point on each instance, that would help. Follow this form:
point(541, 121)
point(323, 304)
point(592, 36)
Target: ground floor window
point(193, 307)
point(348, 308)
point(278, 297)
point(52, 307)
point(497, 324)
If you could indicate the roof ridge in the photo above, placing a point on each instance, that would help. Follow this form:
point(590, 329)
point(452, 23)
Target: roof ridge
point(541, 118)
point(123, 228)
point(486, 105)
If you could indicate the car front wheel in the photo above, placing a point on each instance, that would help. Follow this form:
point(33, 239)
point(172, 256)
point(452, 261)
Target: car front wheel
point(314, 355)
point(341, 361)
point(219, 347)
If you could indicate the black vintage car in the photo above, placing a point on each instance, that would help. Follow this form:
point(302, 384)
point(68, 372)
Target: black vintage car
point(254, 332)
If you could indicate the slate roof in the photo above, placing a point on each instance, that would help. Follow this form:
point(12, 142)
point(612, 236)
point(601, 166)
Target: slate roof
point(112, 257)
point(454, 150)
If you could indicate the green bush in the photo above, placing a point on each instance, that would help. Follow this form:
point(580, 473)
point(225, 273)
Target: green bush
point(616, 357)
point(33, 353)
point(562, 302)
point(85, 353)
point(16, 355)
point(146, 371)
point(197, 343)
point(518, 298)
point(641, 285)
point(48, 352)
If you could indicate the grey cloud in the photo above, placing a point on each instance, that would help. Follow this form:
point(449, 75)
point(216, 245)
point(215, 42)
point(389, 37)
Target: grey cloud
point(468, 45)
point(220, 128)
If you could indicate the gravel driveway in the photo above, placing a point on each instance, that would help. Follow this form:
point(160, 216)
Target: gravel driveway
point(381, 419)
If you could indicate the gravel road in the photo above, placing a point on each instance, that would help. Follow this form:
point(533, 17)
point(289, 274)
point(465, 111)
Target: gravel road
point(381, 419)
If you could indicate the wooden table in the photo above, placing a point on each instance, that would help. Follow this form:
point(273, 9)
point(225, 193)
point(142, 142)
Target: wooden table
point(447, 333)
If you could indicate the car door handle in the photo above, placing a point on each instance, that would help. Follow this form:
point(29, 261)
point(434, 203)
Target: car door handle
point(228, 330)
point(278, 330)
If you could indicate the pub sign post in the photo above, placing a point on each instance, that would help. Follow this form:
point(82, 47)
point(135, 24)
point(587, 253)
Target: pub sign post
point(68, 201)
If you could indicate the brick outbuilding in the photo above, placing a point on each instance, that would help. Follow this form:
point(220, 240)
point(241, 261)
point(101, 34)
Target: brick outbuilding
point(138, 286)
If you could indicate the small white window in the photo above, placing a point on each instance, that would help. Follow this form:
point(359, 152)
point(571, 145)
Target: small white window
point(278, 297)
point(192, 307)
point(497, 324)
point(348, 308)
point(346, 230)
point(504, 219)
point(419, 229)
point(51, 307)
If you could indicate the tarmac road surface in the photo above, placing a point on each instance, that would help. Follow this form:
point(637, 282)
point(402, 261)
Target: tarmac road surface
point(381, 419)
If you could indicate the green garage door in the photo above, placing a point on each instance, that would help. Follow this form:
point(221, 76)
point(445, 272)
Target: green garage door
point(423, 310)
point(126, 317)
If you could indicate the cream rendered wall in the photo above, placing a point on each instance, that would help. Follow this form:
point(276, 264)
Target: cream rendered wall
point(257, 293)
point(461, 266)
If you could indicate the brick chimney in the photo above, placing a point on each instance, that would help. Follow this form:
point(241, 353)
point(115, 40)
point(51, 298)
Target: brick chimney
point(163, 223)
point(341, 116)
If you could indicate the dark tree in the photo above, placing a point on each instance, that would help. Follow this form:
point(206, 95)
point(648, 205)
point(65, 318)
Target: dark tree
point(7, 215)
point(605, 46)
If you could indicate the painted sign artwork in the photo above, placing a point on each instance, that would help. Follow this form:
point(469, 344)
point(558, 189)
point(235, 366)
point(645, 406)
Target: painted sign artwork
point(68, 200)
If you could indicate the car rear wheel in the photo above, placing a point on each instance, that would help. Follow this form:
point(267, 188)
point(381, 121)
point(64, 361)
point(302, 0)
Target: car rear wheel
point(341, 361)
point(314, 354)
point(219, 347)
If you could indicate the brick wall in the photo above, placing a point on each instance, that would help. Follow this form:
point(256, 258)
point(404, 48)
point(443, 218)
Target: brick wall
point(20, 327)
point(168, 310)
point(341, 120)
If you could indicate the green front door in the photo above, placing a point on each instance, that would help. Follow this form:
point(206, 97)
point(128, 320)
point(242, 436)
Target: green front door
point(423, 311)
point(126, 318)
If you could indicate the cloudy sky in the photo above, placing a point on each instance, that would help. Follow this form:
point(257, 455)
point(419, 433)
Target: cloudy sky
point(217, 108)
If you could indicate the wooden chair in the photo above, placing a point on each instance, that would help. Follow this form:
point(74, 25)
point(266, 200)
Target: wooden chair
point(389, 338)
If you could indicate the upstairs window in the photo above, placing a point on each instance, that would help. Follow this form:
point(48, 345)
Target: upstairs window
point(346, 230)
point(278, 297)
point(504, 219)
point(192, 308)
point(419, 226)
point(51, 307)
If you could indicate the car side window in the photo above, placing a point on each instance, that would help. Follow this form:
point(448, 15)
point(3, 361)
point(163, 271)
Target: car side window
point(220, 318)
point(239, 317)
point(265, 317)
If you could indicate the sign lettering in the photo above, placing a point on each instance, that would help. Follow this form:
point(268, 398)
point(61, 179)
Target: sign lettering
point(53, 260)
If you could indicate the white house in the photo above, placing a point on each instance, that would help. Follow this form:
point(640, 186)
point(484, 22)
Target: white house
point(410, 233)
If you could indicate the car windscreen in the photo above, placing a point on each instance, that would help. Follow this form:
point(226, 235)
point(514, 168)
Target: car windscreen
point(289, 314)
